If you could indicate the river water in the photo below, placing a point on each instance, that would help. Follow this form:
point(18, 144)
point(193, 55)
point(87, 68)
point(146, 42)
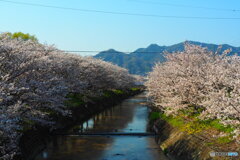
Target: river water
point(131, 116)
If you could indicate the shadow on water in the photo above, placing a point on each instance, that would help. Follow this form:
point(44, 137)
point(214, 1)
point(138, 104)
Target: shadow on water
point(129, 116)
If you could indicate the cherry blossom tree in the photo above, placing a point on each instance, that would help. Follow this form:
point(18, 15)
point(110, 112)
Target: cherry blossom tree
point(201, 78)
point(36, 78)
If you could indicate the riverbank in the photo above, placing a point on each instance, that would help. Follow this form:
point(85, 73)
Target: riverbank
point(129, 116)
point(40, 85)
point(188, 139)
point(83, 107)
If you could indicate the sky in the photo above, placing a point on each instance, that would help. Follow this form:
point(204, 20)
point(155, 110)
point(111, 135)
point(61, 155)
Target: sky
point(97, 31)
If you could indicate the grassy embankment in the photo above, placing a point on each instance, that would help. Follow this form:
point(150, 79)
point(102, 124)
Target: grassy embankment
point(82, 107)
point(188, 121)
point(79, 102)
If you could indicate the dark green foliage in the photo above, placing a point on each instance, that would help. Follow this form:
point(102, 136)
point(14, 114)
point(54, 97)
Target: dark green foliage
point(154, 116)
point(165, 151)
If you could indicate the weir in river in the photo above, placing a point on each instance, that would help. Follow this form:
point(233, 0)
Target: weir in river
point(118, 133)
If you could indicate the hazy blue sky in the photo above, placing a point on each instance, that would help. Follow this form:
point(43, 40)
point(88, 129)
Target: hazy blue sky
point(76, 30)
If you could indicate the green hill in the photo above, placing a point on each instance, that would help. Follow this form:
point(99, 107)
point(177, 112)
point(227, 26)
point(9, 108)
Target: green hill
point(142, 60)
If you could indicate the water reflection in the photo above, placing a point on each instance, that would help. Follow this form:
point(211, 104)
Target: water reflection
point(130, 116)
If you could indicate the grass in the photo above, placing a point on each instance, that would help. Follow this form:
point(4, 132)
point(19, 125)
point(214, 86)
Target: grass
point(193, 127)
point(215, 123)
point(210, 143)
point(135, 89)
point(187, 121)
point(118, 91)
point(224, 140)
point(77, 100)
point(113, 92)
point(74, 100)
point(174, 121)
point(192, 111)
point(107, 94)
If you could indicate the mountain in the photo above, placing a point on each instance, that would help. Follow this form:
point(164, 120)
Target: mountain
point(142, 60)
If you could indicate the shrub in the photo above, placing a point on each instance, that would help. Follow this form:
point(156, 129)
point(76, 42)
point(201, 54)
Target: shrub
point(23, 36)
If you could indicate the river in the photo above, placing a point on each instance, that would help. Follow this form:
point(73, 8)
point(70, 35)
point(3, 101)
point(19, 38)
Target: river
point(131, 116)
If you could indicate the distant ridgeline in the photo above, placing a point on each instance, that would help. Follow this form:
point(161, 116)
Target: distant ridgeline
point(142, 60)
